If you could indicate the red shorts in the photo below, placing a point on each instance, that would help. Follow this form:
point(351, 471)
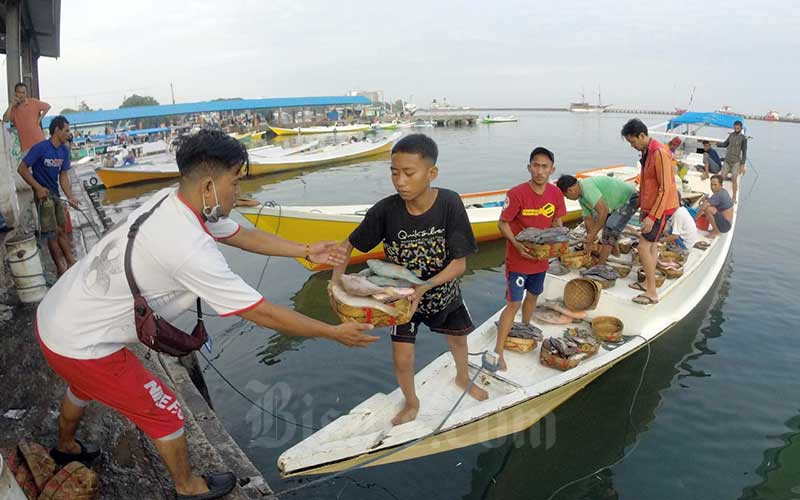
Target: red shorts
point(121, 382)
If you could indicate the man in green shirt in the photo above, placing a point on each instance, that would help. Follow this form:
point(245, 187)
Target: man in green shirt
point(606, 203)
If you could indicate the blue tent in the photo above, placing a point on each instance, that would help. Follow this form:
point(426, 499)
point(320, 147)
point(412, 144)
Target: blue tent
point(715, 119)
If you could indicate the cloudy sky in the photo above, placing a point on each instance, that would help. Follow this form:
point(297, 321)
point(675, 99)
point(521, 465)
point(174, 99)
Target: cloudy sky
point(500, 53)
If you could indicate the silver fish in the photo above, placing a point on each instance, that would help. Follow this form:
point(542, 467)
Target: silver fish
point(384, 281)
point(359, 285)
point(365, 272)
point(389, 270)
point(354, 301)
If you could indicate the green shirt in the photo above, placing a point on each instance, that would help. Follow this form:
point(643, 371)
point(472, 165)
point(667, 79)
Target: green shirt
point(614, 191)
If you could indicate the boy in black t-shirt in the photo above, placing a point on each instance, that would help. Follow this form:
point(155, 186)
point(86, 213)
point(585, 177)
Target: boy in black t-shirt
point(427, 230)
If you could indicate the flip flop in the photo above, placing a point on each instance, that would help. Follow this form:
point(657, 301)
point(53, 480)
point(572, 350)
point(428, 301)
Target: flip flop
point(637, 286)
point(85, 456)
point(702, 245)
point(644, 300)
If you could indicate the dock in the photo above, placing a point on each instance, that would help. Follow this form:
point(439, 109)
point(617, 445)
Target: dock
point(448, 119)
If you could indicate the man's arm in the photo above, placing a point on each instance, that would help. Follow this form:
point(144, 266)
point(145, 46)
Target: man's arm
point(452, 271)
point(724, 144)
point(744, 151)
point(289, 322)
point(339, 269)
point(7, 113)
point(602, 214)
point(25, 172)
point(43, 109)
point(264, 243)
point(505, 230)
point(66, 186)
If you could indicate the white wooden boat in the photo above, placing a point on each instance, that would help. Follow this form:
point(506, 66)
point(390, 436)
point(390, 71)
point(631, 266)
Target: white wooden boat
point(332, 129)
point(518, 397)
point(500, 119)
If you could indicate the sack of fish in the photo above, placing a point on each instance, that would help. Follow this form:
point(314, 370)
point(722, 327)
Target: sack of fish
point(377, 295)
point(545, 243)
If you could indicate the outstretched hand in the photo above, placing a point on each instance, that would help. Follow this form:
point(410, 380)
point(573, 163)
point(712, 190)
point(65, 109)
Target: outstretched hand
point(353, 334)
point(330, 253)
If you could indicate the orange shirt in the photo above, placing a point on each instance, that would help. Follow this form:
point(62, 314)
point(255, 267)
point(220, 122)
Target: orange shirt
point(658, 194)
point(25, 118)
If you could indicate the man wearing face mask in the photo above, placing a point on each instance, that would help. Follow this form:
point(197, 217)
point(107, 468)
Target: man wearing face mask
point(87, 319)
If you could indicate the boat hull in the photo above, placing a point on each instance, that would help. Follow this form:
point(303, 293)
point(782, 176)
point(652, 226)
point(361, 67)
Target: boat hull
point(319, 130)
point(259, 167)
point(113, 177)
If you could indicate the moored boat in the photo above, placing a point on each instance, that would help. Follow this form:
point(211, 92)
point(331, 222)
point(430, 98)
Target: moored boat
point(499, 119)
point(332, 129)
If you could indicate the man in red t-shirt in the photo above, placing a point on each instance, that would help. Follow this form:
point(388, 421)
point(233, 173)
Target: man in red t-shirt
point(535, 203)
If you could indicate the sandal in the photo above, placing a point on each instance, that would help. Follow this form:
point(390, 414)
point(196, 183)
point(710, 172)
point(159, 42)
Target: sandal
point(85, 456)
point(644, 300)
point(219, 485)
point(702, 245)
point(637, 286)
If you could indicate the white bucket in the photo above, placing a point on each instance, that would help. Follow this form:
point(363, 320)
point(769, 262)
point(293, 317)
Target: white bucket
point(26, 268)
point(9, 489)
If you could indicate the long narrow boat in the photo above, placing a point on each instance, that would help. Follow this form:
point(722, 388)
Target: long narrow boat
point(335, 153)
point(332, 129)
point(308, 224)
point(500, 119)
point(519, 397)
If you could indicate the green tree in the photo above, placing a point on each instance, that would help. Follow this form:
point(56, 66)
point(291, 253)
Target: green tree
point(398, 106)
point(67, 111)
point(84, 107)
point(138, 100)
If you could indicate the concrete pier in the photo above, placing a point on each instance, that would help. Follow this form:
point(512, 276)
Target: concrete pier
point(448, 119)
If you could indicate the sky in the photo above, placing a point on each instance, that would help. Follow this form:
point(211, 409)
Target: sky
point(502, 53)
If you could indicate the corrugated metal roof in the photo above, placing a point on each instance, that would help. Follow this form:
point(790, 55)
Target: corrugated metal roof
point(204, 107)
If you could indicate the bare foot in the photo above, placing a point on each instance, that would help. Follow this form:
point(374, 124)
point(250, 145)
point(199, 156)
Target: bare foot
point(474, 391)
point(713, 234)
point(196, 486)
point(407, 414)
point(502, 361)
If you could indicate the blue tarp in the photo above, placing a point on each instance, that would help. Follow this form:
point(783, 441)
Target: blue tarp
point(147, 131)
point(715, 119)
point(205, 107)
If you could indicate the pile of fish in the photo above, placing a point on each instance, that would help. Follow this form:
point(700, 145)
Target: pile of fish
point(523, 331)
point(375, 287)
point(556, 268)
point(555, 312)
point(603, 272)
point(564, 348)
point(586, 342)
point(547, 236)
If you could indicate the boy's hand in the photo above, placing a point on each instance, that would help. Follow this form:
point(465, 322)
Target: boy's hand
point(419, 291)
point(524, 251)
point(327, 252)
point(352, 334)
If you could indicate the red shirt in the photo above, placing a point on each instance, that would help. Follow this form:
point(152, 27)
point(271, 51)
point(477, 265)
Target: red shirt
point(525, 208)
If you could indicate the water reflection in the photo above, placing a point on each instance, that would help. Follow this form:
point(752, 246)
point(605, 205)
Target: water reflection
point(780, 468)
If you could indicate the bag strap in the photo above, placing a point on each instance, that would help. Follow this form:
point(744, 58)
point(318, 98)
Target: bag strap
point(132, 232)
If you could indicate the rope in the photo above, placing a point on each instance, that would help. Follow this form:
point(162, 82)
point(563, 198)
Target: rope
point(630, 421)
point(85, 217)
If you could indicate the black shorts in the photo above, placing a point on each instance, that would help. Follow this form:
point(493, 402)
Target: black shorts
point(658, 228)
point(456, 322)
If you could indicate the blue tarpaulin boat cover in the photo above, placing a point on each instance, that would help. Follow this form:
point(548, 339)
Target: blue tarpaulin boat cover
point(715, 119)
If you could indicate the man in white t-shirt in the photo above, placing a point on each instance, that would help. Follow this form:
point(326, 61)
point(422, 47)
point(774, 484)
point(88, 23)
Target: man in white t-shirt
point(684, 230)
point(86, 320)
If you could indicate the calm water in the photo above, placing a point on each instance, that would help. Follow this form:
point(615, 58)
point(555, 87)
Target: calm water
point(718, 414)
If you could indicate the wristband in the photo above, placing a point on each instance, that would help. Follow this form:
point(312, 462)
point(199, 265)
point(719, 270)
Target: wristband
point(308, 252)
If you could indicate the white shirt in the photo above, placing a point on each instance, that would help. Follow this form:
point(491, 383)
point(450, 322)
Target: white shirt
point(684, 226)
point(88, 314)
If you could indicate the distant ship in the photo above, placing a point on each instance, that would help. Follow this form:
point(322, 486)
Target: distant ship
point(727, 110)
point(772, 116)
point(585, 107)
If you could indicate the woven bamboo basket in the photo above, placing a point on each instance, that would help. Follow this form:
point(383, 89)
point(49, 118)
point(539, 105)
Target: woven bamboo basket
point(604, 284)
point(547, 251)
point(556, 361)
point(75, 481)
point(576, 260)
point(581, 294)
point(623, 271)
point(41, 465)
point(607, 328)
point(520, 344)
point(660, 277)
point(370, 315)
point(671, 273)
point(672, 256)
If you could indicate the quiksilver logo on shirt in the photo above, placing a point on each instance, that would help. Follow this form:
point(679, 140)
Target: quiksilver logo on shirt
point(417, 234)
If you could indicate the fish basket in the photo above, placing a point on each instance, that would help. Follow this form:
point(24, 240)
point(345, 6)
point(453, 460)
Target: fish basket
point(370, 315)
point(555, 361)
point(74, 481)
point(607, 328)
point(672, 256)
point(625, 247)
point(576, 260)
point(547, 251)
point(671, 273)
point(622, 270)
point(585, 347)
point(604, 283)
point(660, 277)
point(520, 344)
point(581, 294)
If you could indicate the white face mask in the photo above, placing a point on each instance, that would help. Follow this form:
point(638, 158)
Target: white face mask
point(213, 214)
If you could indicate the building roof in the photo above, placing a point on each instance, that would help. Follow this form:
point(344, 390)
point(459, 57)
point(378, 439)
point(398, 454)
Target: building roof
point(42, 20)
point(137, 112)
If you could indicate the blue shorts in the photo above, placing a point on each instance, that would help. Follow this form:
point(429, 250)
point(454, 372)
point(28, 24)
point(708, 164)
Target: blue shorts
point(517, 283)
